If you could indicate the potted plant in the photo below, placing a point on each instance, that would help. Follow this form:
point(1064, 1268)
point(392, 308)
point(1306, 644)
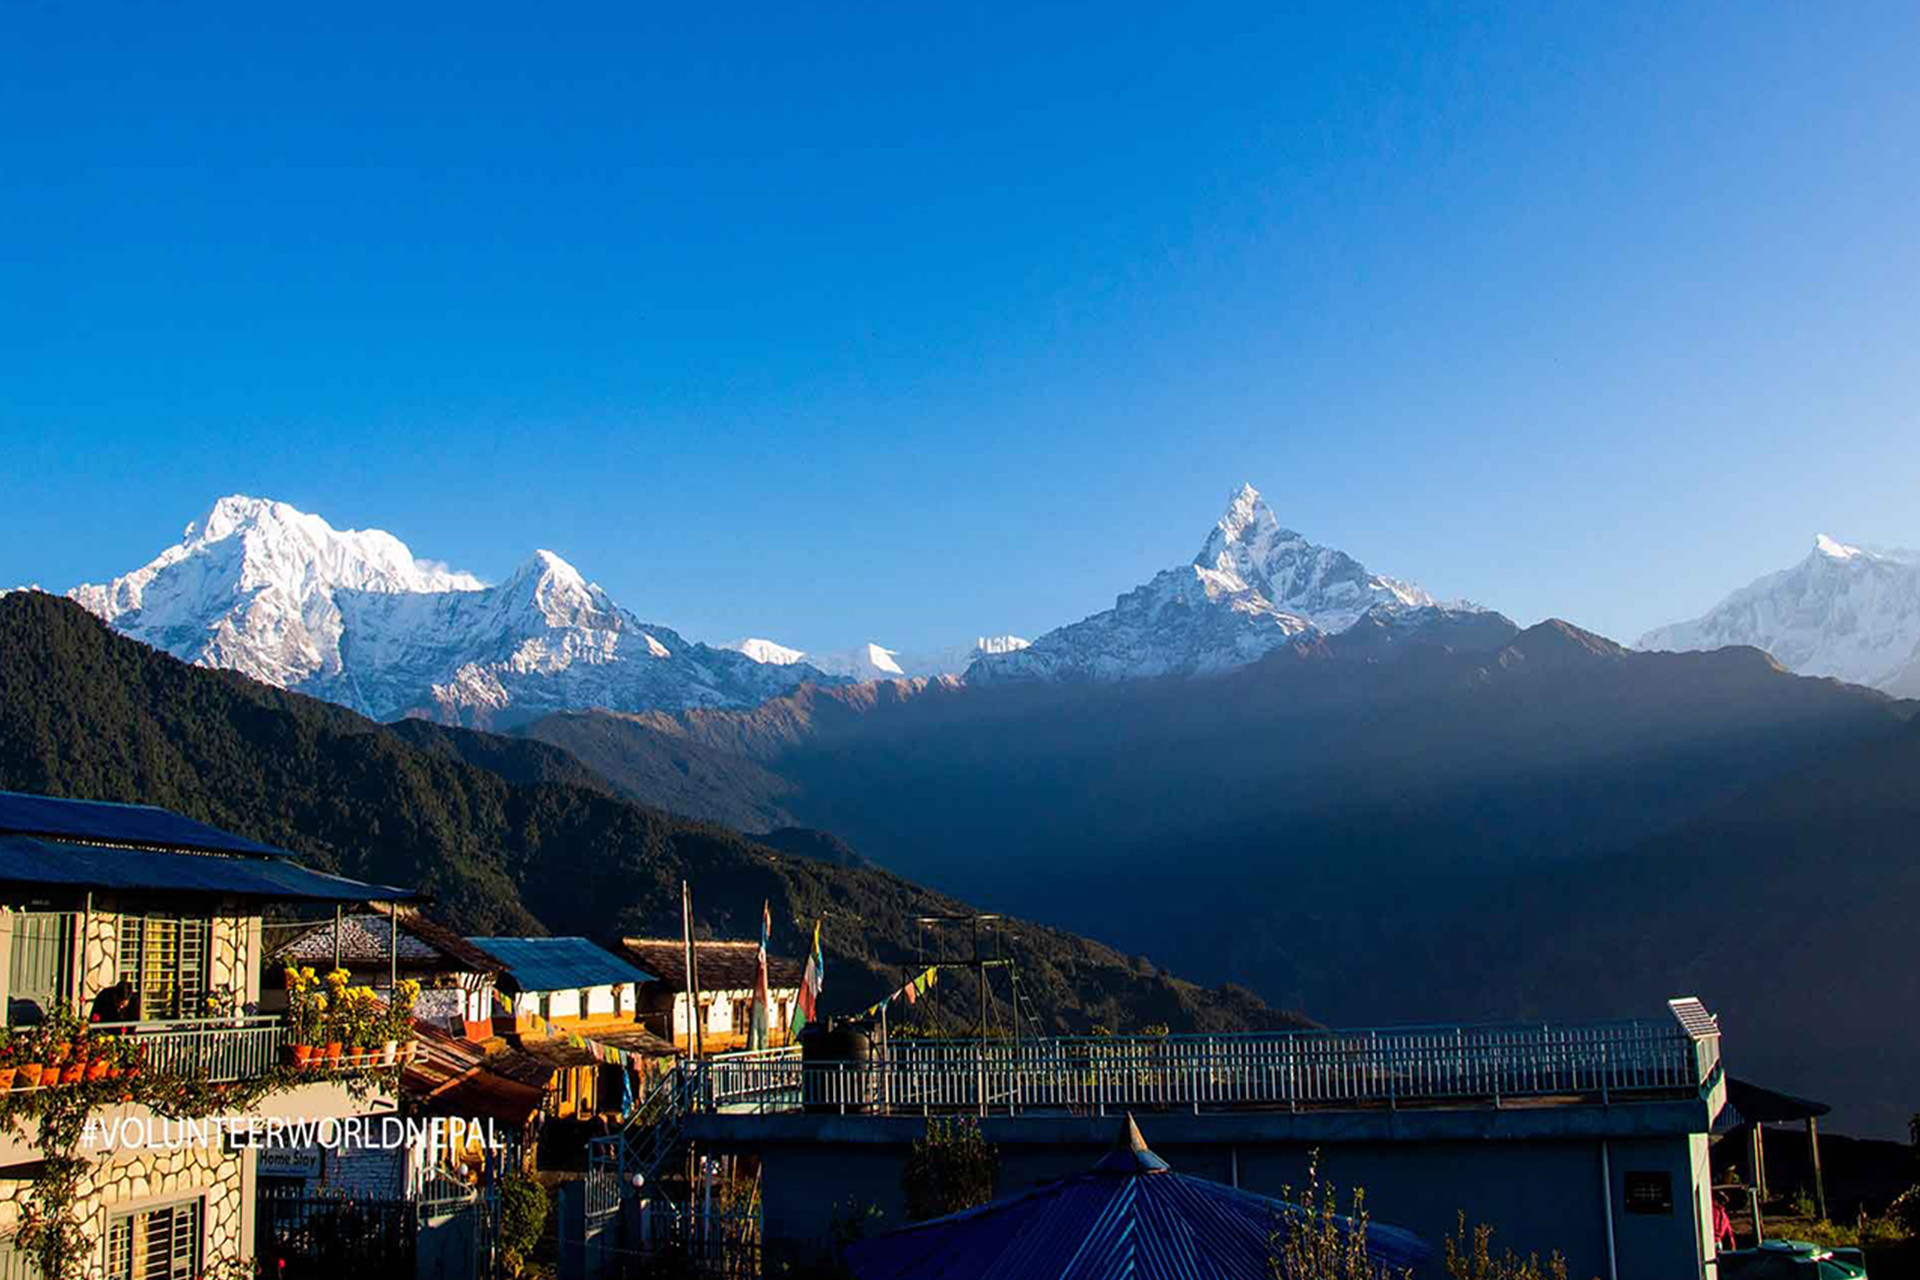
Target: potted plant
point(404, 997)
point(303, 1019)
point(98, 1057)
point(7, 1068)
point(29, 1052)
point(329, 1048)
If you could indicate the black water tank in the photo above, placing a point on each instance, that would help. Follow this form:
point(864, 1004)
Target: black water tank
point(836, 1068)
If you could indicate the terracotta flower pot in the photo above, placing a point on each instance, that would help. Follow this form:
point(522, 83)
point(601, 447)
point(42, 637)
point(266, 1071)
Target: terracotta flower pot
point(29, 1075)
point(115, 1071)
point(73, 1072)
point(297, 1054)
point(57, 1052)
point(49, 1075)
point(97, 1069)
point(334, 1048)
point(6, 1077)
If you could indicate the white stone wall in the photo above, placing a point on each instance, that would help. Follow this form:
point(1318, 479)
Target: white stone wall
point(233, 957)
point(151, 1179)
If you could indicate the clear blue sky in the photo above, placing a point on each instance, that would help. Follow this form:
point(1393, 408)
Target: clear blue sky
point(906, 323)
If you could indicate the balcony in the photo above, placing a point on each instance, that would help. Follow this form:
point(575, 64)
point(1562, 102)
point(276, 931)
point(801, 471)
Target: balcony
point(215, 1050)
point(1389, 1068)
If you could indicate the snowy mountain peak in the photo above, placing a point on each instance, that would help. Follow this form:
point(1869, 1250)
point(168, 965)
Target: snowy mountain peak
point(1254, 586)
point(761, 650)
point(1828, 547)
point(350, 615)
point(877, 662)
point(1844, 611)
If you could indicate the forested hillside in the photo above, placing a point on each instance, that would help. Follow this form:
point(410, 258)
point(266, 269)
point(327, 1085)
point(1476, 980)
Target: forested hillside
point(86, 713)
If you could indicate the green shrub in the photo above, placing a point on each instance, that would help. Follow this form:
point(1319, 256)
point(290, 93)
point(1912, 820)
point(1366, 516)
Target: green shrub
point(950, 1169)
point(523, 1216)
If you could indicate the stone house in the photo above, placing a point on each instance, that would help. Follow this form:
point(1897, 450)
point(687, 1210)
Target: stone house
point(97, 895)
point(727, 973)
point(456, 978)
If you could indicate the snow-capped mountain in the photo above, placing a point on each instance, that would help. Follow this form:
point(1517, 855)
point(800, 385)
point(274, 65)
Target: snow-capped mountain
point(353, 617)
point(1844, 611)
point(1254, 587)
point(876, 662)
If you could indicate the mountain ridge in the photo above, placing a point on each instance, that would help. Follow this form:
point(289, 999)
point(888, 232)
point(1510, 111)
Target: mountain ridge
point(351, 616)
point(1844, 611)
point(522, 846)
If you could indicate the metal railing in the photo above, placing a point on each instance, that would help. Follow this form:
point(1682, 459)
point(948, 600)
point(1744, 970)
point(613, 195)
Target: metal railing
point(1405, 1066)
point(216, 1050)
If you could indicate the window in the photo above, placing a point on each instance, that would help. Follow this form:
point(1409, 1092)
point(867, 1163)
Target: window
point(42, 964)
point(165, 957)
point(15, 1265)
point(155, 1244)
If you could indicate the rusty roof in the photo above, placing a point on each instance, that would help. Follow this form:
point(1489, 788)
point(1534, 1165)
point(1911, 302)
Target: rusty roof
point(723, 966)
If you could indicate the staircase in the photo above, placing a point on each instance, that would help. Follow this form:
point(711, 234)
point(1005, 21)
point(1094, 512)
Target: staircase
point(654, 1134)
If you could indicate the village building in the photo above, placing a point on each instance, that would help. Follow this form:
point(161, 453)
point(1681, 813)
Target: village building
point(456, 978)
point(728, 975)
point(554, 992)
point(147, 926)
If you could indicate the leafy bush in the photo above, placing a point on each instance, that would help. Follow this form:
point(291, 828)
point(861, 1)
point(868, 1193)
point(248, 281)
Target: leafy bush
point(1904, 1212)
point(523, 1216)
point(1471, 1258)
point(950, 1169)
point(1315, 1241)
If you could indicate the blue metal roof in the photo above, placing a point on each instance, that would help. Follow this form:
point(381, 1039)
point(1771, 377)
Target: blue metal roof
point(143, 824)
point(31, 860)
point(1129, 1216)
point(558, 964)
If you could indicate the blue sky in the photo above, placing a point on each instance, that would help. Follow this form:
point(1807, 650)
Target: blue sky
point(906, 323)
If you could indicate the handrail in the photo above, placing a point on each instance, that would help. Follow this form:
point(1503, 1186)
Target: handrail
point(216, 1050)
point(1319, 1068)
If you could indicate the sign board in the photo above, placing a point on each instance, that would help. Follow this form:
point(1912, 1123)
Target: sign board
point(1649, 1193)
point(289, 1162)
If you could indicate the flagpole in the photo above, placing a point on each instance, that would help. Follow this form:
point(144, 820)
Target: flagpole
point(686, 939)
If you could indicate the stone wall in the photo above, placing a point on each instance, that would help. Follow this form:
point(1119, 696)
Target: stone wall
point(133, 1181)
point(233, 957)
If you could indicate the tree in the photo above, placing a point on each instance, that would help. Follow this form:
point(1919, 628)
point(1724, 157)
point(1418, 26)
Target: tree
point(950, 1169)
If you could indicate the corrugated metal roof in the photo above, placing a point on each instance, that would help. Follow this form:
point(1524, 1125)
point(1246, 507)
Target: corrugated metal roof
point(32, 860)
point(724, 966)
point(1129, 1216)
point(558, 964)
point(142, 824)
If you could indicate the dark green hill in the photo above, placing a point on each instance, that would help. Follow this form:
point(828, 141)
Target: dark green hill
point(510, 836)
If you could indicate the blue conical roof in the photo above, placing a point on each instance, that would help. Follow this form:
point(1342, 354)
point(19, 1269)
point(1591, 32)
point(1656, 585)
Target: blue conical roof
point(1130, 1217)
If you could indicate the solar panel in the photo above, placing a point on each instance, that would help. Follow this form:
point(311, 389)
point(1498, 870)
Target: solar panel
point(30, 815)
point(1694, 1018)
point(559, 964)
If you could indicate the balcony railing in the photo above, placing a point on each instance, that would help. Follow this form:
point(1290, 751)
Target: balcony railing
point(1487, 1065)
point(216, 1050)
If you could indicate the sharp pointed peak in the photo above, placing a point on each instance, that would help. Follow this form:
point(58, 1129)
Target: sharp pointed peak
point(1834, 549)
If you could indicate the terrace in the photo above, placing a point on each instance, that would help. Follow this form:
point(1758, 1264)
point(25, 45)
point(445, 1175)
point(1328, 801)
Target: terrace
point(1454, 1066)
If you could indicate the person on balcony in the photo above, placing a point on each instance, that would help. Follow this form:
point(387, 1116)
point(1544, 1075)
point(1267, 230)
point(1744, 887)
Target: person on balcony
point(117, 1003)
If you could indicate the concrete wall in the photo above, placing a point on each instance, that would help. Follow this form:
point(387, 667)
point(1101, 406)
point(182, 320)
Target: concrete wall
point(1539, 1185)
